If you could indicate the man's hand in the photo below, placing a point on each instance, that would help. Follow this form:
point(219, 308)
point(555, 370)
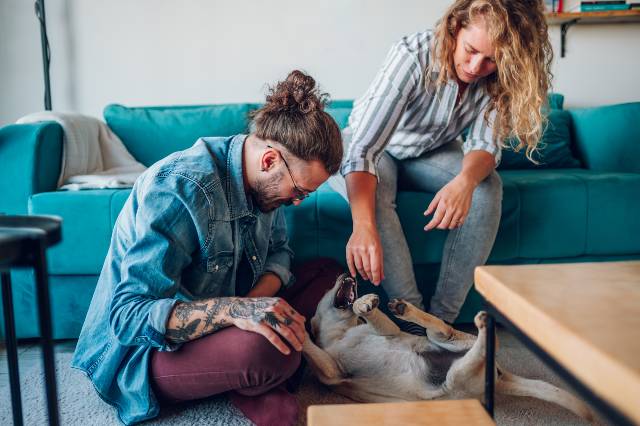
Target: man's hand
point(272, 317)
point(269, 316)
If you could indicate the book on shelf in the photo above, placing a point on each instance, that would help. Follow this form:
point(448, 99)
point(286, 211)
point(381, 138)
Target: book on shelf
point(602, 6)
point(604, 2)
point(553, 6)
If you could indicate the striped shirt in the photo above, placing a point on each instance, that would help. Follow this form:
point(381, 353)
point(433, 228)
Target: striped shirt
point(400, 115)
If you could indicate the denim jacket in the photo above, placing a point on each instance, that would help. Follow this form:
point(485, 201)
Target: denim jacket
point(180, 236)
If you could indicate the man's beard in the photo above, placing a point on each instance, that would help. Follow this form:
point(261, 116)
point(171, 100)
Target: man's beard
point(266, 194)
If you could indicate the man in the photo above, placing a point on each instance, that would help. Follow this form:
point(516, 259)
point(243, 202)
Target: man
point(186, 306)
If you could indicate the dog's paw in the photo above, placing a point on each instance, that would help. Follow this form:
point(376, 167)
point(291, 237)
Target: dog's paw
point(398, 307)
point(366, 304)
point(480, 320)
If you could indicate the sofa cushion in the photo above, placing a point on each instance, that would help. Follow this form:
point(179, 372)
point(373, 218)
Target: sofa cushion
point(613, 222)
point(554, 149)
point(546, 214)
point(340, 111)
point(556, 100)
point(575, 212)
point(607, 138)
point(152, 133)
point(88, 218)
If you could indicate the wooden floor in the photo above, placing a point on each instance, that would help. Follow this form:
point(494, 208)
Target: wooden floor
point(29, 357)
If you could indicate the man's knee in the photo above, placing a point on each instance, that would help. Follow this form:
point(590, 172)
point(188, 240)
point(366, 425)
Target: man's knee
point(265, 364)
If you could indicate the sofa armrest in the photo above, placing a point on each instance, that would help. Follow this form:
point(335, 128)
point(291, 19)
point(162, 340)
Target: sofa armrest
point(30, 155)
point(608, 138)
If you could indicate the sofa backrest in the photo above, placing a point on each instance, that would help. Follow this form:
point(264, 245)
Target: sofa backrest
point(607, 138)
point(572, 138)
point(152, 133)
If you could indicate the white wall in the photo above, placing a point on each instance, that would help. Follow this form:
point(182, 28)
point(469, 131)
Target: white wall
point(153, 52)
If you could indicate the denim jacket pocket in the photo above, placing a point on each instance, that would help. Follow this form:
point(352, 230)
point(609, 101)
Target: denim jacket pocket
point(220, 263)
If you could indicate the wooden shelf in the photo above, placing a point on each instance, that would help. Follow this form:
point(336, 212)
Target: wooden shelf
point(603, 17)
point(568, 19)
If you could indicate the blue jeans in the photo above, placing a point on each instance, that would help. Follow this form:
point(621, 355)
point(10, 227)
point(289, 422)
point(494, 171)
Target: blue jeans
point(465, 248)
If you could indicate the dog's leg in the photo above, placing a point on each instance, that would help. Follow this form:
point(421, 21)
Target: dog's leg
point(511, 384)
point(466, 376)
point(438, 331)
point(323, 365)
point(367, 308)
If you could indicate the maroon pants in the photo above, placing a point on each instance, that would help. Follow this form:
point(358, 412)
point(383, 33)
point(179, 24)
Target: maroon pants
point(238, 360)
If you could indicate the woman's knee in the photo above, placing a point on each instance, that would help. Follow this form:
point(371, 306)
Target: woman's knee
point(387, 185)
point(489, 191)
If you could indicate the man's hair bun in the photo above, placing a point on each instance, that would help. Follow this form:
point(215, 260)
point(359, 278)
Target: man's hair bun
point(298, 93)
point(294, 117)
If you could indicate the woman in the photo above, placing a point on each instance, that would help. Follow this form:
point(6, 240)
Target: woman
point(485, 68)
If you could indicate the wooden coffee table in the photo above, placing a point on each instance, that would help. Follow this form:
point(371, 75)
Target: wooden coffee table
point(463, 412)
point(582, 319)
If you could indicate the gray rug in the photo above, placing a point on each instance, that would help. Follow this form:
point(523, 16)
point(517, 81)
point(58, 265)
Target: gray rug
point(80, 405)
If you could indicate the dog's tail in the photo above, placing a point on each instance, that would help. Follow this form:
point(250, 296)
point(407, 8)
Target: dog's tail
point(511, 384)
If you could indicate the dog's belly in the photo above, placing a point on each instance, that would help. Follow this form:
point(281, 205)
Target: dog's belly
point(439, 363)
point(382, 366)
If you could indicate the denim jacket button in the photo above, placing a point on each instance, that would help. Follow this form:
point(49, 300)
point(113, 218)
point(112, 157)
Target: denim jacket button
point(253, 258)
point(215, 268)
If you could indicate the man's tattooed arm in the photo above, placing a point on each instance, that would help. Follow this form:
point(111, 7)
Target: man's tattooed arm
point(264, 315)
point(190, 320)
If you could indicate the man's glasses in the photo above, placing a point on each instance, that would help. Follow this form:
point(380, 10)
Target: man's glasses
point(300, 194)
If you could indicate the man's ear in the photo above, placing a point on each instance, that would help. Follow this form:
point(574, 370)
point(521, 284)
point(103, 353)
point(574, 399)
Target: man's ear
point(268, 160)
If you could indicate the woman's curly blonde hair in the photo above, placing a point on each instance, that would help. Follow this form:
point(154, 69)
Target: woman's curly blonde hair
point(523, 55)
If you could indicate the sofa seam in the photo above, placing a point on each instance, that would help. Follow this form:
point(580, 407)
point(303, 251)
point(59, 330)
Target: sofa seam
point(518, 230)
point(586, 223)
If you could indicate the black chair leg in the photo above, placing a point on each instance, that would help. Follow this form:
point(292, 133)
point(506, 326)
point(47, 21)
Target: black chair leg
point(490, 364)
point(12, 348)
point(44, 314)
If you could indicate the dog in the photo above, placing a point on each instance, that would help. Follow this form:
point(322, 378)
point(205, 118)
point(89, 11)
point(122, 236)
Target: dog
point(362, 354)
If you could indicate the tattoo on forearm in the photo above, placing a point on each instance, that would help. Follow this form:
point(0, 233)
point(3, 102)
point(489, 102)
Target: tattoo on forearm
point(249, 308)
point(184, 311)
point(182, 332)
point(190, 320)
point(212, 322)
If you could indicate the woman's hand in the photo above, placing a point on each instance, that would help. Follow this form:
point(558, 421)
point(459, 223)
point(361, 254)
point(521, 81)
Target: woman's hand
point(364, 253)
point(451, 204)
point(271, 317)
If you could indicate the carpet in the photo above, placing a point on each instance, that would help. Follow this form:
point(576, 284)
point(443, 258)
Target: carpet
point(80, 405)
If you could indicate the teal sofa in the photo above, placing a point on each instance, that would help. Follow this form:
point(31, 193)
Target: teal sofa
point(582, 203)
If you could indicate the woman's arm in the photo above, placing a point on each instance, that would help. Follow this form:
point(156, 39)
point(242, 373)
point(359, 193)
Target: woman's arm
point(376, 118)
point(364, 251)
point(376, 115)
